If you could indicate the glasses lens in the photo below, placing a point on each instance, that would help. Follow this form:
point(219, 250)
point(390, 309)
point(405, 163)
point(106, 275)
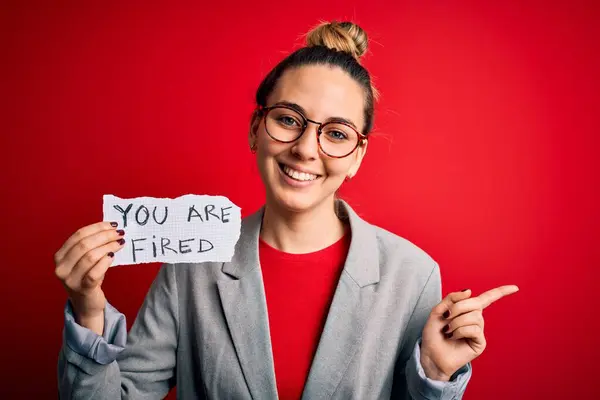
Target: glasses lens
point(284, 124)
point(338, 139)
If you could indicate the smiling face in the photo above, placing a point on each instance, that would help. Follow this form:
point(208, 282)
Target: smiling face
point(298, 176)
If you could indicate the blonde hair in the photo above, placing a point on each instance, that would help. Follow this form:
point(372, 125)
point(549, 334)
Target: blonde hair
point(346, 36)
point(340, 36)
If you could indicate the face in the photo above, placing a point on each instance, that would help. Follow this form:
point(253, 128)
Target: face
point(298, 176)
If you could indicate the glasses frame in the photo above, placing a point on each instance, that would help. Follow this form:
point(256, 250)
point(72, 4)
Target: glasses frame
point(362, 138)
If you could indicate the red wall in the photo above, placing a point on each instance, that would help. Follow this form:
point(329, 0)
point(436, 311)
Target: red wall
point(485, 155)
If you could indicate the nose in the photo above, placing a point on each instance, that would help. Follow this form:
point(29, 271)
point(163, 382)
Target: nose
point(307, 146)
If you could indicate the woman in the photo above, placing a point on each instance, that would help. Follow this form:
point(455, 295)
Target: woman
point(316, 302)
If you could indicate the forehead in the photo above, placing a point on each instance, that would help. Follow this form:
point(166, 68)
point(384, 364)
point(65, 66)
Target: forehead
point(323, 91)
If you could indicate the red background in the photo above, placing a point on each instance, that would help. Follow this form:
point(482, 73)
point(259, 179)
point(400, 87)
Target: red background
point(484, 154)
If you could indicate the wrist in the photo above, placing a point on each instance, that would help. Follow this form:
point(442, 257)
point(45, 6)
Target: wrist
point(94, 323)
point(431, 370)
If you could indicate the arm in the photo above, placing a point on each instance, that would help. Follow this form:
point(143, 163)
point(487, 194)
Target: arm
point(117, 365)
point(410, 380)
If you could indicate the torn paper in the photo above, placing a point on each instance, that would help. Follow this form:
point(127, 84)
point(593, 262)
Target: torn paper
point(187, 229)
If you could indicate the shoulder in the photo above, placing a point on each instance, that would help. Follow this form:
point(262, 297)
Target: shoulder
point(403, 259)
point(399, 259)
point(394, 245)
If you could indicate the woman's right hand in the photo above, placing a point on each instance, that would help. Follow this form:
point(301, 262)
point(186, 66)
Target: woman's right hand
point(81, 263)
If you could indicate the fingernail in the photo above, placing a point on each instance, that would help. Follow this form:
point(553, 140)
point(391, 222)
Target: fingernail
point(111, 254)
point(448, 335)
point(121, 232)
point(445, 328)
point(114, 224)
point(446, 314)
point(464, 290)
point(121, 241)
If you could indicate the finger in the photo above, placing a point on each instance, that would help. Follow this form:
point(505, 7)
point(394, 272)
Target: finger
point(495, 294)
point(471, 318)
point(479, 302)
point(447, 302)
point(95, 275)
point(83, 247)
point(88, 261)
point(471, 332)
point(463, 307)
point(79, 235)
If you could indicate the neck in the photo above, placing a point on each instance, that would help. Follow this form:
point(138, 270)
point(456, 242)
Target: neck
point(301, 232)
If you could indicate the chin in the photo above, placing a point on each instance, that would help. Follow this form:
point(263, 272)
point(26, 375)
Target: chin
point(295, 202)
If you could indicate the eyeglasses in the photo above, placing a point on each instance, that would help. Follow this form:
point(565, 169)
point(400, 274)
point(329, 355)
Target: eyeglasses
point(336, 139)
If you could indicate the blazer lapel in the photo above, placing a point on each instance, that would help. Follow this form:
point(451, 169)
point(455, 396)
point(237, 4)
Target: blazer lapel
point(349, 309)
point(245, 308)
point(244, 305)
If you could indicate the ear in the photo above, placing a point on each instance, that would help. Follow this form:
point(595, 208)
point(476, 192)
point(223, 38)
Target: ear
point(254, 124)
point(359, 155)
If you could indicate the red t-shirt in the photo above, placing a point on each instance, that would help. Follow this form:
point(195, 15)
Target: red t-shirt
point(299, 289)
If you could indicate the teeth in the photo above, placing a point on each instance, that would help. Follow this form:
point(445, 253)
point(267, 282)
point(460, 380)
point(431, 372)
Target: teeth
point(297, 175)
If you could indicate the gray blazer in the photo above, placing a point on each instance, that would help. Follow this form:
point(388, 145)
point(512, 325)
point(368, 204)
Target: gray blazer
point(204, 328)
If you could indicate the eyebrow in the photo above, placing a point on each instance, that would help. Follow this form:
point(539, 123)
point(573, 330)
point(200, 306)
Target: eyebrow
point(302, 111)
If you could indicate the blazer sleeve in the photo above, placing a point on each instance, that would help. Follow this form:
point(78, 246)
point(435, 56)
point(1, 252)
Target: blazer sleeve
point(117, 365)
point(410, 381)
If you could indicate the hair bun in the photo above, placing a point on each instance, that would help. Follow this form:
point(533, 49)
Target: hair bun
point(341, 36)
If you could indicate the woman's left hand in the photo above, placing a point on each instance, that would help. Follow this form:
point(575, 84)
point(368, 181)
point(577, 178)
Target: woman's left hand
point(453, 334)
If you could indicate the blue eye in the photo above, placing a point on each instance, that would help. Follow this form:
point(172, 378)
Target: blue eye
point(289, 121)
point(337, 135)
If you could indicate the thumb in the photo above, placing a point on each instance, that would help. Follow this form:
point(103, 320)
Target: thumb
point(449, 300)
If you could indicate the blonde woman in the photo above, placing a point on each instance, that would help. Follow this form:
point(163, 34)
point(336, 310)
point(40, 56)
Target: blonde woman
point(316, 303)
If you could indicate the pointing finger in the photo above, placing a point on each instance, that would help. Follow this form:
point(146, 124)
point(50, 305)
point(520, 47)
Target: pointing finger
point(495, 294)
point(479, 302)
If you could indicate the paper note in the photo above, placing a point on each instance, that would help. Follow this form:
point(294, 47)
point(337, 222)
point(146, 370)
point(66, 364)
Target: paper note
point(190, 228)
